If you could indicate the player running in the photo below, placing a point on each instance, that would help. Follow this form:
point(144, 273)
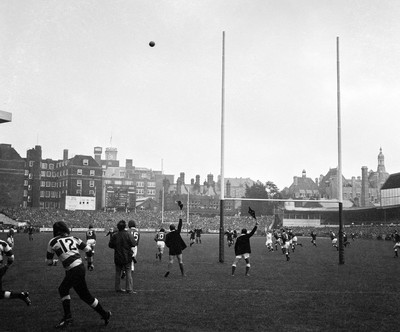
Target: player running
point(334, 240)
point(285, 244)
point(91, 241)
point(230, 237)
point(67, 247)
point(192, 235)
point(314, 238)
point(6, 250)
point(396, 238)
point(160, 240)
point(268, 241)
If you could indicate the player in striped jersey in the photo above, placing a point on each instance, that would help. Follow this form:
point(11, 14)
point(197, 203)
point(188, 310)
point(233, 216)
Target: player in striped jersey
point(6, 250)
point(160, 240)
point(67, 247)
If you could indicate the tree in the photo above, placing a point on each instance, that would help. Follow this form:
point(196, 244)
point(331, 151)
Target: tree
point(260, 191)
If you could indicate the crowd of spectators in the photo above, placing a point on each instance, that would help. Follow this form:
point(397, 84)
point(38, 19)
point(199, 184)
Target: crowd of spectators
point(150, 220)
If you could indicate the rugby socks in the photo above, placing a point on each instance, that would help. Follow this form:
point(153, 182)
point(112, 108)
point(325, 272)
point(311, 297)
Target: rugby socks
point(396, 254)
point(182, 269)
point(99, 309)
point(66, 303)
point(287, 256)
point(233, 270)
point(247, 270)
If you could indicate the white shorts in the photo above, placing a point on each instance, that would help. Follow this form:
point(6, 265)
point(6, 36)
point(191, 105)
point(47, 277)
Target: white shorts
point(286, 245)
point(245, 256)
point(268, 243)
point(334, 241)
point(134, 251)
point(91, 242)
point(294, 239)
point(161, 246)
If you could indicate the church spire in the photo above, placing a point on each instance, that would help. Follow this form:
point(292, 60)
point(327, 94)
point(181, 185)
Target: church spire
point(381, 162)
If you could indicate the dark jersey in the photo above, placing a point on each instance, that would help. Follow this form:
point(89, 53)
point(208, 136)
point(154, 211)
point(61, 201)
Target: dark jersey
point(192, 234)
point(135, 233)
point(242, 245)
point(160, 236)
point(229, 235)
point(90, 234)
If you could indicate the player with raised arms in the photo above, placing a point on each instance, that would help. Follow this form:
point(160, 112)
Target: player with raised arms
point(242, 246)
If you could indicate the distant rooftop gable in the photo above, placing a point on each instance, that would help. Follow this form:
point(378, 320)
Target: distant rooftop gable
point(7, 152)
point(392, 182)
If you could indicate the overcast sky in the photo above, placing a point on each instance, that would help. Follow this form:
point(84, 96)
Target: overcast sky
point(78, 74)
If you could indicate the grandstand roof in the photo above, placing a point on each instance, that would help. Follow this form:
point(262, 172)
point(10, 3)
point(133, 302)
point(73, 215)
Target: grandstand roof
point(392, 182)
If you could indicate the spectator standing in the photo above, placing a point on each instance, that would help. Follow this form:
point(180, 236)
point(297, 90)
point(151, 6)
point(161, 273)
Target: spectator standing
point(30, 232)
point(122, 242)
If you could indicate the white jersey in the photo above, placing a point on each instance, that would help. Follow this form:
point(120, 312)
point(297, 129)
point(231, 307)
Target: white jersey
point(269, 238)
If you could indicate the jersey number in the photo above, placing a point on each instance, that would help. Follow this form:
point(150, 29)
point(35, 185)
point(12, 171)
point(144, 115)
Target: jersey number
point(64, 243)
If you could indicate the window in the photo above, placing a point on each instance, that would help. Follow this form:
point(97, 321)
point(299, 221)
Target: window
point(29, 187)
point(140, 184)
point(26, 172)
point(25, 193)
point(140, 191)
point(91, 183)
point(91, 192)
point(43, 174)
point(53, 194)
point(85, 162)
point(31, 162)
point(92, 172)
point(29, 198)
point(48, 184)
point(122, 174)
point(151, 184)
point(48, 174)
point(41, 193)
point(79, 183)
point(53, 174)
point(79, 171)
point(151, 192)
point(44, 165)
point(51, 166)
point(79, 192)
point(129, 183)
point(54, 184)
point(25, 182)
point(30, 176)
point(47, 194)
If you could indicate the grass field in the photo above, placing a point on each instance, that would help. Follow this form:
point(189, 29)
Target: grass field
point(311, 292)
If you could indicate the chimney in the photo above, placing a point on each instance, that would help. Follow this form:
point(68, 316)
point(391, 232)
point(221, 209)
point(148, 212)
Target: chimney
point(65, 154)
point(192, 182)
point(295, 182)
point(97, 154)
point(182, 176)
point(198, 180)
point(128, 163)
point(228, 189)
point(364, 186)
